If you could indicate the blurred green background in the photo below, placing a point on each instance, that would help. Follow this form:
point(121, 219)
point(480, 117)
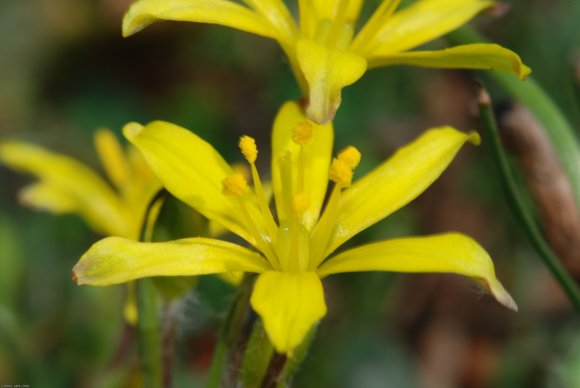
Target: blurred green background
point(65, 71)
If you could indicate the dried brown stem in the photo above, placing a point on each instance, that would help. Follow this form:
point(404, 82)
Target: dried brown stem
point(547, 182)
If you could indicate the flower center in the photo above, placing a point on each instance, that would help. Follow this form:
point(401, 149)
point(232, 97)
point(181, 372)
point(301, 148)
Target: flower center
point(288, 245)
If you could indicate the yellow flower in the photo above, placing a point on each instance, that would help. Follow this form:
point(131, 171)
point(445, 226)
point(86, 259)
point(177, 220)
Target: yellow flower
point(294, 250)
point(67, 186)
point(323, 48)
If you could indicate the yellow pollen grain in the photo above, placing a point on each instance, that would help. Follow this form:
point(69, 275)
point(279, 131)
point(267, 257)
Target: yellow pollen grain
point(241, 168)
point(302, 133)
point(235, 185)
point(248, 147)
point(300, 202)
point(340, 173)
point(350, 156)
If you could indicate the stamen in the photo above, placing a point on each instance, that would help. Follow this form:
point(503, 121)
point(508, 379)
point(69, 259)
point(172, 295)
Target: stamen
point(300, 203)
point(340, 173)
point(235, 185)
point(241, 168)
point(248, 147)
point(351, 156)
point(299, 240)
point(302, 133)
point(285, 164)
point(324, 228)
point(250, 151)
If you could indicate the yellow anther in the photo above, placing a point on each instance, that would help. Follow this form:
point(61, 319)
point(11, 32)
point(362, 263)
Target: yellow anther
point(300, 202)
point(340, 173)
point(302, 133)
point(235, 185)
point(241, 168)
point(350, 156)
point(248, 147)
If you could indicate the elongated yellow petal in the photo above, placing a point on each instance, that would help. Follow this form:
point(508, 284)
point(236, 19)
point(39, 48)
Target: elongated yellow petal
point(145, 12)
point(290, 303)
point(43, 196)
point(328, 9)
point(471, 56)
point(312, 12)
point(397, 181)
point(420, 23)
point(327, 71)
point(116, 260)
point(193, 171)
point(67, 185)
point(112, 157)
point(447, 253)
point(317, 155)
point(279, 17)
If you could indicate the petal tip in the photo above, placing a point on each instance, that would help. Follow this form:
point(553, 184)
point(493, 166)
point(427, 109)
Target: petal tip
point(524, 72)
point(74, 276)
point(474, 138)
point(503, 297)
point(132, 130)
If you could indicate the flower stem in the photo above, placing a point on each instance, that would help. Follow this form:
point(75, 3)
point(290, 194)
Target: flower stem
point(263, 368)
point(257, 357)
point(148, 334)
point(528, 92)
point(286, 375)
point(518, 205)
point(147, 324)
point(231, 335)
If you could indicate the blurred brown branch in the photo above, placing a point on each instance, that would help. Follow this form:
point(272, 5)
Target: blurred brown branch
point(546, 181)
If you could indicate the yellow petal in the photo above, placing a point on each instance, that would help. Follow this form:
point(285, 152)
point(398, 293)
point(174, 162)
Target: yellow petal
point(279, 17)
point(290, 303)
point(67, 185)
point(446, 253)
point(317, 155)
point(47, 197)
point(327, 71)
point(145, 12)
point(313, 12)
point(116, 260)
point(193, 171)
point(112, 157)
point(422, 22)
point(397, 181)
point(328, 9)
point(471, 56)
point(232, 278)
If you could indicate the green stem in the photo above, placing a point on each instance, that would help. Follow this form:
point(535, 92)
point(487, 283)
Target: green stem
point(286, 376)
point(230, 336)
point(148, 334)
point(518, 205)
point(263, 368)
point(147, 324)
point(257, 357)
point(528, 92)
